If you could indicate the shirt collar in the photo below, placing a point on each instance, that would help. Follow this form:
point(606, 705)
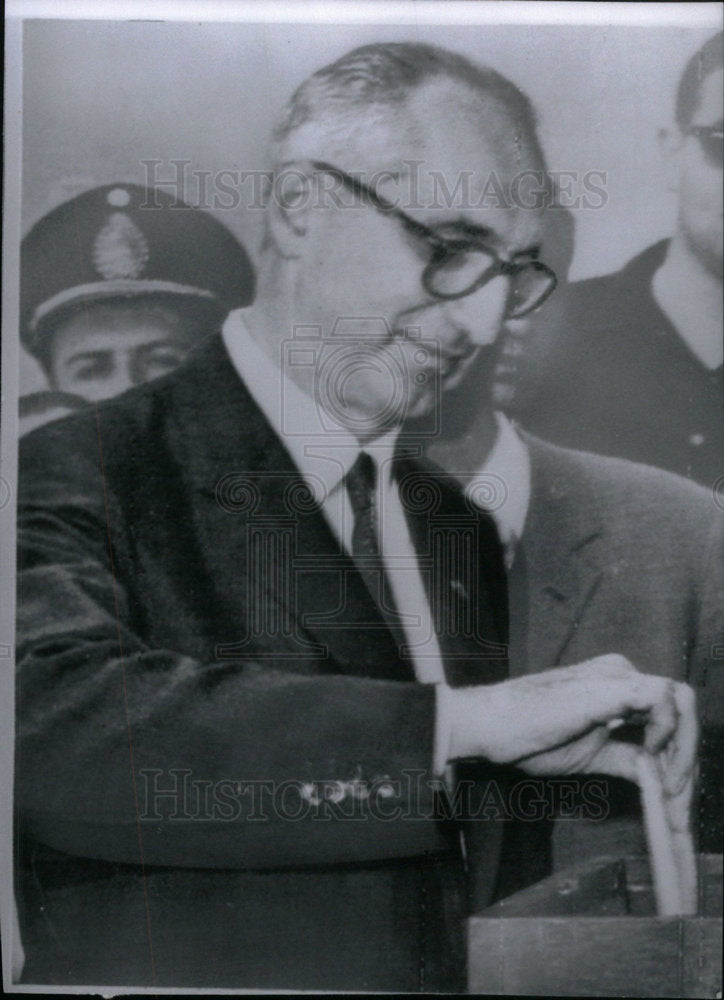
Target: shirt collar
point(502, 484)
point(320, 447)
point(324, 452)
point(675, 288)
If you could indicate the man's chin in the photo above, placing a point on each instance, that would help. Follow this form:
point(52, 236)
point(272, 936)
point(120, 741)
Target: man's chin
point(458, 398)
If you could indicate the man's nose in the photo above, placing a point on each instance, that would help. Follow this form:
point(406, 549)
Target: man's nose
point(479, 316)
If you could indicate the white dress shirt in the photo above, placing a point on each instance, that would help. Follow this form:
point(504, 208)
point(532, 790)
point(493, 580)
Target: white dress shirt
point(324, 452)
point(502, 485)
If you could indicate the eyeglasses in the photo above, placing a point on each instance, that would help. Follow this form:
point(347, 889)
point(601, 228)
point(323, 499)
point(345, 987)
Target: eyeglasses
point(459, 267)
point(711, 140)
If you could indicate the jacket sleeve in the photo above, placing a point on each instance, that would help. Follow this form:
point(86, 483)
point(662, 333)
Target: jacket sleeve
point(139, 754)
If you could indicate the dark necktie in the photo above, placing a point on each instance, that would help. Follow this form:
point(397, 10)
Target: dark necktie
point(361, 481)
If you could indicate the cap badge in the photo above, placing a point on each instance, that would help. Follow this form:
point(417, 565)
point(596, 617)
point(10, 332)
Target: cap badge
point(118, 197)
point(120, 249)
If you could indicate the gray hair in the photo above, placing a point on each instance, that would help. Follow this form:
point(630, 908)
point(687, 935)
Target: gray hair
point(343, 97)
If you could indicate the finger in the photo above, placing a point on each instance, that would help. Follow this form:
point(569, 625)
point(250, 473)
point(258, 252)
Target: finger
point(667, 887)
point(678, 807)
point(681, 762)
point(663, 720)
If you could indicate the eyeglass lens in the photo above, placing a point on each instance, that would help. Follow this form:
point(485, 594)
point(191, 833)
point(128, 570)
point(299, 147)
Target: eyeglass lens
point(458, 272)
point(529, 288)
point(712, 143)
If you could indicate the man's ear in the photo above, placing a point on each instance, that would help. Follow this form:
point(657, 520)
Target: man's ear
point(671, 143)
point(289, 208)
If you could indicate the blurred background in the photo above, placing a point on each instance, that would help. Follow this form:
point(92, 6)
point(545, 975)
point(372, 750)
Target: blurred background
point(102, 97)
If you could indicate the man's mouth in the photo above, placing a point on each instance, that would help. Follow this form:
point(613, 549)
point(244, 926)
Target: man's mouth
point(433, 362)
point(452, 365)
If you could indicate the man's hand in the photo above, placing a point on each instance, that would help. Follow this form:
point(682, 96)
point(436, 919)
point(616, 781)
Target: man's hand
point(559, 722)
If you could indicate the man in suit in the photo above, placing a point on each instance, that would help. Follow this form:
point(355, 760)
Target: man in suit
point(630, 364)
point(603, 555)
point(257, 638)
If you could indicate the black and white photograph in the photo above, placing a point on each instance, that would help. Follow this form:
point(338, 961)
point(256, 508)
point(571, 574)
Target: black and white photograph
point(362, 498)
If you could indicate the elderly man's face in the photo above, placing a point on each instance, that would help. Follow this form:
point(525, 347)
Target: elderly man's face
point(106, 348)
point(700, 180)
point(392, 347)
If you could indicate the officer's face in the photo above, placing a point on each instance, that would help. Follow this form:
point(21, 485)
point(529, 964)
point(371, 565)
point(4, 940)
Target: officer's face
point(107, 348)
point(392, 347)
point(700, 181)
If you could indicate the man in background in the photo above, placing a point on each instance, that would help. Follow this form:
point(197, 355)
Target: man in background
point(119, 283)
point(630, 364)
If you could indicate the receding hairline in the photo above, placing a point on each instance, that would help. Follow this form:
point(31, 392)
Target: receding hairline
point(411, 122)
point(375, 82)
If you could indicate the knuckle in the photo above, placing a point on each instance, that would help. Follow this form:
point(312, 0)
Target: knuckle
point(623, 664)
point(617, 664)
point(686, 695)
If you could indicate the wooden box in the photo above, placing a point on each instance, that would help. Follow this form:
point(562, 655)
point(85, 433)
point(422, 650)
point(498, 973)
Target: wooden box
point(592, 931)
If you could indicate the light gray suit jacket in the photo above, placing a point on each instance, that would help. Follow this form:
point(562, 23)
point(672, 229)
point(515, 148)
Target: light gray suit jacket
point(618, 557)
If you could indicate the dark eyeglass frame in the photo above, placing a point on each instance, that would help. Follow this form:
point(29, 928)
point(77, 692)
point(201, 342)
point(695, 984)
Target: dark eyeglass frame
point(444, 249)
point(705, 134)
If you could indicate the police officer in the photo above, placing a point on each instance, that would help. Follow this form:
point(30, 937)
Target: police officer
point(119, 283)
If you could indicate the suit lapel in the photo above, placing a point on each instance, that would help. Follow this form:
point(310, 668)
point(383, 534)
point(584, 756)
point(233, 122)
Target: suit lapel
point(273, 561)
point(557, 569)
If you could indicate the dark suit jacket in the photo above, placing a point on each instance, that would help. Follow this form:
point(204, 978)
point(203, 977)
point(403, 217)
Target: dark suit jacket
point(607, 372)
point(188, 625)
point(619, 558)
